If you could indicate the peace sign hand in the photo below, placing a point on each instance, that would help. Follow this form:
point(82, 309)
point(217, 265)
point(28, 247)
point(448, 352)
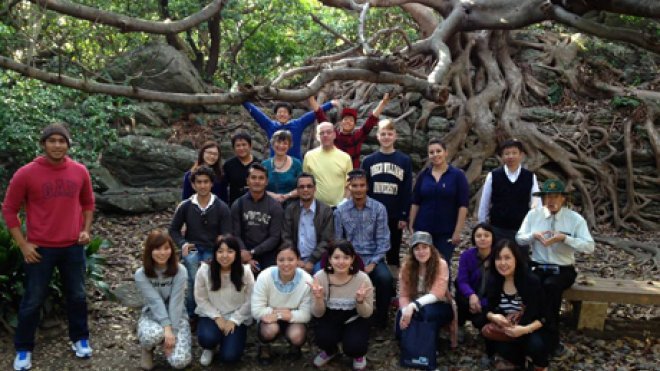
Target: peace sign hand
point(362, 292)
point(317, 290)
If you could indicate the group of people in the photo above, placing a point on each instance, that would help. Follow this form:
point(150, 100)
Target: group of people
point(284, 242)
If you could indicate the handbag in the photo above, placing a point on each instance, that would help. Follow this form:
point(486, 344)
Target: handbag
point(495, 332)
point(418, 343)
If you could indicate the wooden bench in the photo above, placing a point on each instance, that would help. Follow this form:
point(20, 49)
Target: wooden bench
point(593, 295)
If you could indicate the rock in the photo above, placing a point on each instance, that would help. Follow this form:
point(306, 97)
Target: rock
point(102, 180)
point(159, 67)
point(128, 295)
point(437, 123)
point(542, 114)
point(144, 115)
point(138, 200)
point(139, 161)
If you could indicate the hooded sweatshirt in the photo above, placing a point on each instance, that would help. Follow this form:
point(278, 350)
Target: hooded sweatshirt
point(54, 196)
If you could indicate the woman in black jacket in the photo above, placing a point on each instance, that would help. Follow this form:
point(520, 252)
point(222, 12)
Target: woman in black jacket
point(514, 289)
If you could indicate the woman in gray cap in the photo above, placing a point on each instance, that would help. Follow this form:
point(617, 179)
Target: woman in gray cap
point(424, 278)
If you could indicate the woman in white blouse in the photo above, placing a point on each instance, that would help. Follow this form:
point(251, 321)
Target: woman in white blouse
point(281, 303)
point(222, 292)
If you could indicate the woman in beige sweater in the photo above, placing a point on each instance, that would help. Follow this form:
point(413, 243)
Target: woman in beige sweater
point(222, 292)
point(342, 300)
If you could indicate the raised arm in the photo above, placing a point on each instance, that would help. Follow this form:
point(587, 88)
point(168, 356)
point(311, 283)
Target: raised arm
point(264, 121)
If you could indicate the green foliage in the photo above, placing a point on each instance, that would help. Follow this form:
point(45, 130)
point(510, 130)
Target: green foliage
point(555, 92)
point(26, 106)
point(12, 276)
point(620, 102)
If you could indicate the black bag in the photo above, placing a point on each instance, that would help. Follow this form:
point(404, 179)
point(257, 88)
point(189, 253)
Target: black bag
point(418, 343)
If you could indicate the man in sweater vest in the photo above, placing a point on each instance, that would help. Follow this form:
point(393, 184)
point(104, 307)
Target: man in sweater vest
point(206, 217)
point(507, 195)
point(56, 192)
point(389, 179)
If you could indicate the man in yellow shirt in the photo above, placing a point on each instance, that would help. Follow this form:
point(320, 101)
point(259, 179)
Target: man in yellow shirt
point(329, 165)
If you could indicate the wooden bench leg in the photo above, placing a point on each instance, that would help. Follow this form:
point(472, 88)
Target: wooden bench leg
point(592, 315)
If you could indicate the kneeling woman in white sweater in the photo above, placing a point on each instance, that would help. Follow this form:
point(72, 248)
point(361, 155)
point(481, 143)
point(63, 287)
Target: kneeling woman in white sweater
point(222, 292)
point(281, 302)
point(164, 320)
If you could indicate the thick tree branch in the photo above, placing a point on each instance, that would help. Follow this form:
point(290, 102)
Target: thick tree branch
point(640, 8)
point(432, 92)
point(130, 24)
point(635, 37)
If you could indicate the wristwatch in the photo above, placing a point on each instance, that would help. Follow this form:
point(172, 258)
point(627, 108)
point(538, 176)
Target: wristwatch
point(279, 316)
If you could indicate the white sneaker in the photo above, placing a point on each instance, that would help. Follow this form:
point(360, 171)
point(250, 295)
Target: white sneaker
point(82, 348)
point(23, 360)
point(323, 358)
point(359, 363)
point(207, 357)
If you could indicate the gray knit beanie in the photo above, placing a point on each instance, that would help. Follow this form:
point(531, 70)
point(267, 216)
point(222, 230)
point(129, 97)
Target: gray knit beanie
point(55, 129)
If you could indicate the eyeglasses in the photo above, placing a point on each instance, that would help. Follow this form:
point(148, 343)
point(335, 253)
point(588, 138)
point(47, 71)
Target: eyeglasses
point(306, 186)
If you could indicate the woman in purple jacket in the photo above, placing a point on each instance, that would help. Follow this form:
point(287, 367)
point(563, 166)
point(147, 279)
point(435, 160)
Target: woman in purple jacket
point(473, 275)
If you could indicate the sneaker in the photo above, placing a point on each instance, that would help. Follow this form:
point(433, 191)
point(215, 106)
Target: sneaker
point(359, 363)
point(561, 353)
point(207, 357)
point(323, 358)
point(82, 348)
point(23, 360)
point(147, 359)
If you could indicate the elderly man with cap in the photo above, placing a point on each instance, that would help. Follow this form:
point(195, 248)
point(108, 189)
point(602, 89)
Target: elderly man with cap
point(348, 138)
point(554, 233)
point(57, 195)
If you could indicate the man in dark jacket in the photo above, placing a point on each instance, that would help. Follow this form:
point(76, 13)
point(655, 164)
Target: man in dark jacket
point(308, 224)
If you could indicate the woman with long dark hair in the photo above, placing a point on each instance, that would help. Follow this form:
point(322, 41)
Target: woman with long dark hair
point(514, 290)
point(164, 321)
point(342, 300)
point(222, 292)
point(473, 274)
point(209, 155)
point(440, 200)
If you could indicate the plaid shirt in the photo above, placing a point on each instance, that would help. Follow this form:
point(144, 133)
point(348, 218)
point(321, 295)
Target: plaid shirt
point(351, 143)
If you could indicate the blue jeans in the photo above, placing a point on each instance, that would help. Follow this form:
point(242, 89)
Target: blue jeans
point(442, 243)
point(232, 346)
point(70, 262)
point(192, 262)
point(381, 277)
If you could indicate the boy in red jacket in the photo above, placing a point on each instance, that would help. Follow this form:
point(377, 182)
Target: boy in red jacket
point(59, 204)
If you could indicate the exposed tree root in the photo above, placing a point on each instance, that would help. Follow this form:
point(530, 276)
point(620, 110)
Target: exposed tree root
point(652, 252)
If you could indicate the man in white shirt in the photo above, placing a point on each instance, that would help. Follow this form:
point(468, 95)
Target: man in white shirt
point(507, 194)
point(554, 233)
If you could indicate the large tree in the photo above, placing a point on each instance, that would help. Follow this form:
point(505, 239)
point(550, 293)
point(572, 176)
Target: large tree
point(461, 59)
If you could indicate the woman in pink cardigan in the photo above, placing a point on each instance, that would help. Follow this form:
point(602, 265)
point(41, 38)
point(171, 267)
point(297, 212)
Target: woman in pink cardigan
point(424, 280)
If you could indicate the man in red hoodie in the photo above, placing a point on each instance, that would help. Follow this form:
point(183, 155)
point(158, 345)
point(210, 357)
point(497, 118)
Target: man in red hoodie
point(59, 204)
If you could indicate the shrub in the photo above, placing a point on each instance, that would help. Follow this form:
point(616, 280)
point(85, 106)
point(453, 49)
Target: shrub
point(12, 276)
